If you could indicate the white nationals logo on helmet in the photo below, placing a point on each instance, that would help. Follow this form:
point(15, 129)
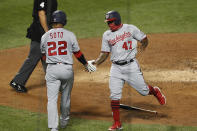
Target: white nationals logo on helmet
point(119, 38)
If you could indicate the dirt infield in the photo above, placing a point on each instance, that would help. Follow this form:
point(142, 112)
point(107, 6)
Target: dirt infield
point(169, 62)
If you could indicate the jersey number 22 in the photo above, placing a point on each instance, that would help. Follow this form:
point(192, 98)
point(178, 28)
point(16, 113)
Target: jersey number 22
point(62, 46)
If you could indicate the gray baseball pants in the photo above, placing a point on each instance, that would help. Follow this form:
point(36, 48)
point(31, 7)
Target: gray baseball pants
point(59, 77)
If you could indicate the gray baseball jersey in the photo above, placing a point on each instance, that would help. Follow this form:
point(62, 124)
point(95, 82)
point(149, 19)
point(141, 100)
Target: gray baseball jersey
point(123, 47)
point(122, 43)
point(58, 44)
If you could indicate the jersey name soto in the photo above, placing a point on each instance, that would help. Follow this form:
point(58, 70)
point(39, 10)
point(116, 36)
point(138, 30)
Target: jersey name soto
point(119, 38)
point(54, 35)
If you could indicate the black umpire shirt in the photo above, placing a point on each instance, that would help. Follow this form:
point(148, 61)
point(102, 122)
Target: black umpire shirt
point(35, 31)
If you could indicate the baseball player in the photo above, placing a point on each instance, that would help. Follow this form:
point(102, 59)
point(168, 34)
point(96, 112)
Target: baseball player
point(121, 41)
point(58, 44)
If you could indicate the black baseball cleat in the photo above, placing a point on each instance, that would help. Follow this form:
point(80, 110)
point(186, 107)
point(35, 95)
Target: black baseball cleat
point(18, 87)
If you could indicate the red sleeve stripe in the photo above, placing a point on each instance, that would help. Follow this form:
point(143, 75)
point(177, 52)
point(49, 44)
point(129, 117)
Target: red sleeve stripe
point(78, 54)
point(144, 38)
point(43, 57)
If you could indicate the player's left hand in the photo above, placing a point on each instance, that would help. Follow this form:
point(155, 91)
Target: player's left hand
point(90, 67)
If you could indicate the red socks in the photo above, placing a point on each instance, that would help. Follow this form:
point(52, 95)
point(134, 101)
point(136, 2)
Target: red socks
point(115, 105)
point(151, 90)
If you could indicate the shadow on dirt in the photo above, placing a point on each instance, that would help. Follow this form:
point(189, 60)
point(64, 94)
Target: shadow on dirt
point(35, 86)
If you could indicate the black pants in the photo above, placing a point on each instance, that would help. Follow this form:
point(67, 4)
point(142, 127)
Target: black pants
point(29, 64)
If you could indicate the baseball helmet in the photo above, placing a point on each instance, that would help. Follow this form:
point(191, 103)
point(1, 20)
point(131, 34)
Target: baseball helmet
point(113, 16)
point(59, 16)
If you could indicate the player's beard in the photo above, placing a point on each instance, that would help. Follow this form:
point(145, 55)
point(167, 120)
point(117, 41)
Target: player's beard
point(113, 27)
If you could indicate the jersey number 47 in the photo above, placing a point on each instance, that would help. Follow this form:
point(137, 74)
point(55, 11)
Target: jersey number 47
point(127, 45)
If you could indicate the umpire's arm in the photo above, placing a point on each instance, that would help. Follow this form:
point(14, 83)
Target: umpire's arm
point(43, 20)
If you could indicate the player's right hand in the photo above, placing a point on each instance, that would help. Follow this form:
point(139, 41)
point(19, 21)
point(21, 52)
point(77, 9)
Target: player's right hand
point(90, 67)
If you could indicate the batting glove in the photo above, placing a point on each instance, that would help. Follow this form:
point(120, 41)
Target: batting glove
point(90, 67)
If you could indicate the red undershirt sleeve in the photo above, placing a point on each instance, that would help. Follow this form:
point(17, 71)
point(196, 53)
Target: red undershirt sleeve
point(79, 55)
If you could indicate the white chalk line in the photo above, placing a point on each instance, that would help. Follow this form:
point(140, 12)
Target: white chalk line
point(102, 76)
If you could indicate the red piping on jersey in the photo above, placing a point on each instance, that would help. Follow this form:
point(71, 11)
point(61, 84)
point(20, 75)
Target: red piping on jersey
point(78, 54)
point(144, 39)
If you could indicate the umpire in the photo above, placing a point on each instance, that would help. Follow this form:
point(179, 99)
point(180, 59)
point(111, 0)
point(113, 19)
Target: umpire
point(42, 12)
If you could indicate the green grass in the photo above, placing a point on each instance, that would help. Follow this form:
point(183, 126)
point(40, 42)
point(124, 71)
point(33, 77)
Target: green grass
point(15, 17)
point(23, 120)
point(86, 17)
